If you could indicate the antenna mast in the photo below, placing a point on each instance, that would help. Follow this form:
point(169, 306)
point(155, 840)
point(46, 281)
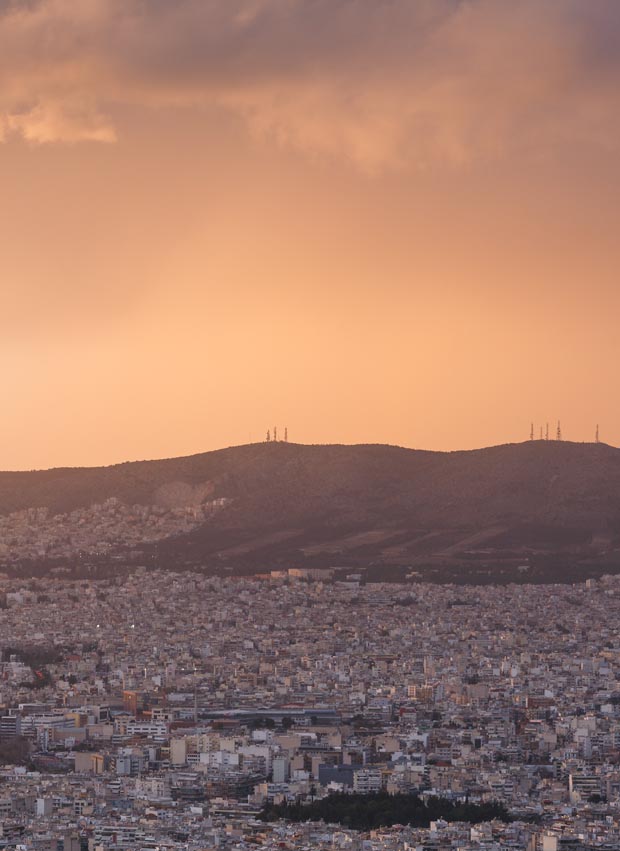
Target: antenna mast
point(558, 434)
point(598, 436)
point(532, 432)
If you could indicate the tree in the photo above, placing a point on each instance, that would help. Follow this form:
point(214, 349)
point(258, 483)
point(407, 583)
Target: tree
point(15, 751)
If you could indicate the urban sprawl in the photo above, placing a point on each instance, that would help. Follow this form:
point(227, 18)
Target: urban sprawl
point(164, 711)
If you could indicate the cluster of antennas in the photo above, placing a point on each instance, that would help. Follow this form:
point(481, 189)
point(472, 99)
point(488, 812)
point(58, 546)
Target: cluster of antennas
point(558, 433)
point(545, 435)
point(274, 439)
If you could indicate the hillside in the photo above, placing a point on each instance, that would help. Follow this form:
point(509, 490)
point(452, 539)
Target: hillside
point(263, 505)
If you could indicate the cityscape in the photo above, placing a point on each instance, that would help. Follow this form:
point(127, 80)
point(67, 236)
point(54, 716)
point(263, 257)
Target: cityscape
point(123, 730)
point(309, 436)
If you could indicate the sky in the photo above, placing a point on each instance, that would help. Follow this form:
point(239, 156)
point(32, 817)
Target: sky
point(370, 221)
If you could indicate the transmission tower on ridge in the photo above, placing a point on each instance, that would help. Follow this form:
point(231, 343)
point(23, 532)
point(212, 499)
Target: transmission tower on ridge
point(286, 434)
point(268, 436)
point(275, 433)
point(547, 432)
point(558, 434)
point(532, 432)
point(598, 436)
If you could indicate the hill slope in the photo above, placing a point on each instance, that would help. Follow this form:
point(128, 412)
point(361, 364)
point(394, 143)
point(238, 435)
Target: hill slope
point(261, 505)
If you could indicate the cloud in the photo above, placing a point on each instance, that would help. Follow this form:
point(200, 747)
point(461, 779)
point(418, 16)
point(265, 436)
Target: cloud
point(380, 82)
point(61, 121)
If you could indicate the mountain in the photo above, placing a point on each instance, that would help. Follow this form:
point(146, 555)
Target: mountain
point(512, 510)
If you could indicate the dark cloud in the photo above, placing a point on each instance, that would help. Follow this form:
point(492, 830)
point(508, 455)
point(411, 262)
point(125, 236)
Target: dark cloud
point(378, 81)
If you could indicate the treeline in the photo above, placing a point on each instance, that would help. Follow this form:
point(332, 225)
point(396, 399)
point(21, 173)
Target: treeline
point(364, 812)
point(34, 655)
point(15, 751)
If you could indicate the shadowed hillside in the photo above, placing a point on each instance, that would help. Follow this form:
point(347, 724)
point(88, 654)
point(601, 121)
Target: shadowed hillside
point(283, 503)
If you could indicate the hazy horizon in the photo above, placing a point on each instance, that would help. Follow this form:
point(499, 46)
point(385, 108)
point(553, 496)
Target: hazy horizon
point(384, 222)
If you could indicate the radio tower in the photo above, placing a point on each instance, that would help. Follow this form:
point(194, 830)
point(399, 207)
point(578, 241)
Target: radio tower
point(547, 432)
point(275, 433)
point(541, 434)
point(558, 434)
point(268, 436)
point(532, 432)
point(598, 437)
point(286, 435)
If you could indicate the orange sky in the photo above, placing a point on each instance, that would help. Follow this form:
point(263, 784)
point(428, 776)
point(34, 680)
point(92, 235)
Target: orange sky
point(370, 222)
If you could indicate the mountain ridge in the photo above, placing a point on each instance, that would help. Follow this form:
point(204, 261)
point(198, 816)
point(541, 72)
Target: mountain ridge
point(266, 504)
point(16, 484)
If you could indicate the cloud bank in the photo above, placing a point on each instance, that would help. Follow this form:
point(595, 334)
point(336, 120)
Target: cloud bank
point(379, 82)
